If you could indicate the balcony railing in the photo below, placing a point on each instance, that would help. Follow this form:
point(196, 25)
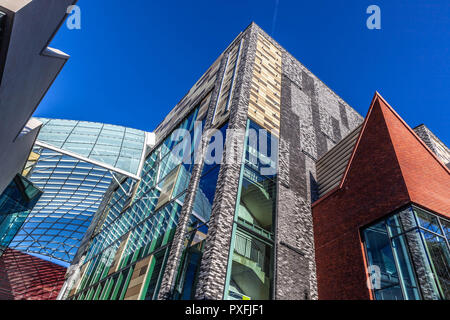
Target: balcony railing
point(247, 248)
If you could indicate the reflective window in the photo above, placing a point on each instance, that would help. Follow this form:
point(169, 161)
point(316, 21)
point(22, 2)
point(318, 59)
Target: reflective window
point(16, 202)
point(257, 201)
point(434, 232)
point(251, 275)
point(142, 227)
point(389, 259)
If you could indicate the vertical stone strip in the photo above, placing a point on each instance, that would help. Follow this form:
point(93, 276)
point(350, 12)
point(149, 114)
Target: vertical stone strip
point(294, 260)
point(336, 130)
point(213, 268)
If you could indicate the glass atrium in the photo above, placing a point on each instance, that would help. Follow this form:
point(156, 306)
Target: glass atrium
point(73, 163)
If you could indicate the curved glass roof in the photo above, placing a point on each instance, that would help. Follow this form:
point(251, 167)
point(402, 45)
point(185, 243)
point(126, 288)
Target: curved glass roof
point(73, 190)
point(116, 146)
point(73, 163)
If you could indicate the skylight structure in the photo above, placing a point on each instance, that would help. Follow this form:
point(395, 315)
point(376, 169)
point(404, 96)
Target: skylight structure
point(73, 163)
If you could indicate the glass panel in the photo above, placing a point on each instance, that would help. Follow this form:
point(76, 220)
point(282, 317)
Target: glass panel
point(391, 293)
point(257, 201)
point(394, 225)
point(380, 255)
point(262, 150)
point(251, 270)
point(81, 138)
point(192, 265)
point(214, 151)
point(156, 273)
point(192, 254)
point(406, 269)
point(79, 148)
point(428, 221)
point(205, 195)
point(440, 258)
point(395, 250)
point(16, 202)
point(250, 276)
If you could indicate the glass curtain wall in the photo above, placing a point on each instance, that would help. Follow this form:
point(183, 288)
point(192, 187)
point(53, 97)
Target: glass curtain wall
point(397, 247)
point(16, 202)
point(133, 244)
point(434, 232)
point(116, 146)
point(250, 267)
point(72, 192)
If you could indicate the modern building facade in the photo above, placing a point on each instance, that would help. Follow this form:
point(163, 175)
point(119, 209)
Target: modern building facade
point(73, 163)
point(226, 212)
point(68, 171)
point(27, 65)
point(260, 184)
point(381, 225)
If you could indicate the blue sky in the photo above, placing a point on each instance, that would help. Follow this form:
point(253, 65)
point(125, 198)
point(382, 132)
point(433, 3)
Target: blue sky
point(133, 61)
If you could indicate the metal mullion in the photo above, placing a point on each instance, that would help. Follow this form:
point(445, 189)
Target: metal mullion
point(443, 232)
point(96, 140)
point(431, 264)
point(397, 264)
point(432, 232)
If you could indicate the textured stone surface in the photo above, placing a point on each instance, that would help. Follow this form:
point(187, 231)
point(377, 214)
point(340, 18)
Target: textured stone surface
point(176, 250)
point(434, 143)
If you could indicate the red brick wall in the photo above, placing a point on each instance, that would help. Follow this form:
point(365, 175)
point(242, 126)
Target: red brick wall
point(374, 187)
point(24, 277)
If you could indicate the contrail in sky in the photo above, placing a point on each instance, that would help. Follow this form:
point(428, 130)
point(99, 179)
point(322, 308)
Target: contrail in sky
point(275, 15)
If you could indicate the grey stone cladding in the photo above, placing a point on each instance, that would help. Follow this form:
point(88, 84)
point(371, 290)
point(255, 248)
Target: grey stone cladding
point(313, 120)
point(434, 143)
point(213, 268)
